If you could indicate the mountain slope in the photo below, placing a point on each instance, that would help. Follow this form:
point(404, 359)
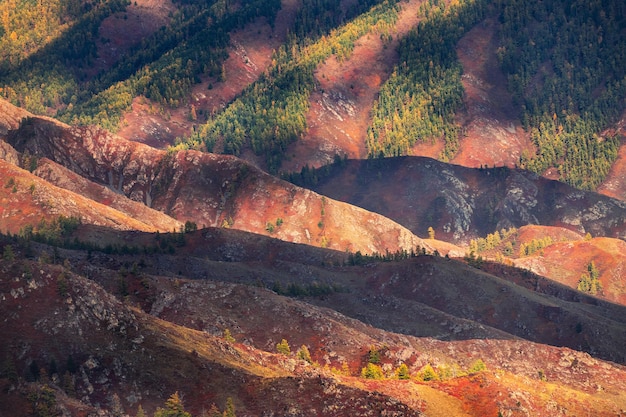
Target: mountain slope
point(211, 190)
point(27, 200)
point(116, 347)
point(461, 203)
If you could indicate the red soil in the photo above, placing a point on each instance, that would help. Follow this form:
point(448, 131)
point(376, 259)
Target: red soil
point(493, 133)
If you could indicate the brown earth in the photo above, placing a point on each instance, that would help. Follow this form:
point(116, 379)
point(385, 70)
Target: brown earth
point(208, 190)
point(493, 135)
point(168, 335)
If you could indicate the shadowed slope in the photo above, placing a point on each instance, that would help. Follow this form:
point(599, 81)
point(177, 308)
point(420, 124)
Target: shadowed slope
point(462, 203)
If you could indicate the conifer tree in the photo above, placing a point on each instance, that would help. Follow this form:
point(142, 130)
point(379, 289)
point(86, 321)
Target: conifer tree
point(304, 354)
point(230, 408)
point(402, 372)
point(173, 408)
point(283, 347)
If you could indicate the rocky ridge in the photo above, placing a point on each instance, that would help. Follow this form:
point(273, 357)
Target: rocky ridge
point(210, 190)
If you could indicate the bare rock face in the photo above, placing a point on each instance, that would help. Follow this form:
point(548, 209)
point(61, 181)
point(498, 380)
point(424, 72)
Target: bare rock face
point(32, 199)
point(8, 153)
point(69, 180)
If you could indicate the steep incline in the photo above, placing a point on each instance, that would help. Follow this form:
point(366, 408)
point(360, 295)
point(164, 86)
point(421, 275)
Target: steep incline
point(462, 203)
point(210, 190)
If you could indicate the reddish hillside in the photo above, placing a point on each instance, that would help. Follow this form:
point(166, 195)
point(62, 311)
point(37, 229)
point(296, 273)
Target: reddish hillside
point(421, 296)
point(249, 54)
point(10, 117)
point(62, 177)
point(211, 190)
point(566, 262)
point(493, 135)
point(27, 199)
point(174, 340)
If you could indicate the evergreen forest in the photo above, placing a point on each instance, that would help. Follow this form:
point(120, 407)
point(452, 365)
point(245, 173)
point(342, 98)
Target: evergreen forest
point(565, 62)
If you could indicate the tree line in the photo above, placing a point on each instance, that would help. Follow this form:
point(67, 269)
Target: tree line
point(419, 100)
point(271, 113)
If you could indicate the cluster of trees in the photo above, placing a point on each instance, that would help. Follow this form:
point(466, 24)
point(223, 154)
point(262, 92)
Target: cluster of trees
point(358, 258)
point(165, 66)
point(373, 370)
point(43, 395)
point(26, 26)
point(312, 289)
point(309, 177)
point(419, 100)
point(174, 407)
point(566, 66)
point(271, 113)
point(53, 232)
point(501, 239)
point(590, 281)
point(57, 79)
point(58, 233)
point(317, 17)
point(534, 246)
point(492, 241)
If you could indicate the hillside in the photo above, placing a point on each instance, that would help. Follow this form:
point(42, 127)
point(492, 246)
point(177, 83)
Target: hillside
point(301, 85)
point(163, 318)
point(205, 189)
point(462, 203)
point(222, 208)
